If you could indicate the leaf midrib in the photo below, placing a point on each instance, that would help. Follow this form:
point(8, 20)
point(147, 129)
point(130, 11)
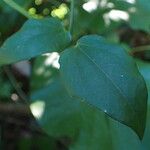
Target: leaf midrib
point(118, 89)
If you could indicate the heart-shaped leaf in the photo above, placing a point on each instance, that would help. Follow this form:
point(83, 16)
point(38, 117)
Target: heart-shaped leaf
point(104, 76)
point(35, 38)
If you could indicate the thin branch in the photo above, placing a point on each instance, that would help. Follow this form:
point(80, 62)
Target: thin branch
point(18, 8)
point(12, 113)
point(71, 16)
point(18, 109)
point(14, 83)
point(141, 48)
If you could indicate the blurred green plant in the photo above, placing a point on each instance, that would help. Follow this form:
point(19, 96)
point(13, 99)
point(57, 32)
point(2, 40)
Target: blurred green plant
point(85, 91)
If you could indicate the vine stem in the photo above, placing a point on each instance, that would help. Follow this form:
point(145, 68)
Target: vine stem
point(71, 16)
point(15, 6)
point(141, 48)
point(15, 85)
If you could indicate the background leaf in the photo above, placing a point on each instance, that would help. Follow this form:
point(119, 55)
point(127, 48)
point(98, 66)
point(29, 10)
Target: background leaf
point(142, 10)
point(35, 38)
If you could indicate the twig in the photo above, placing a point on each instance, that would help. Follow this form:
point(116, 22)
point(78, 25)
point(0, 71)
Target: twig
point(140, 49)
point(15, 6)
point(13, 114)
point(14, 83)
point(71, 16)
point(18, 109)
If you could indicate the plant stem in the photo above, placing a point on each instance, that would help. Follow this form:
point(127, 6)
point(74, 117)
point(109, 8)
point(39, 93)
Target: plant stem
point(15, 6)
point(15, 84)
point(71, 16)
point(141, 48)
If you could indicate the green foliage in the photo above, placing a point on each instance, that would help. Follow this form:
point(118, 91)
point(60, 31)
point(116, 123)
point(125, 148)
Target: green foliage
point(142, 9)
point(59, 107)
point(97, 98)
point(35, 38)
point(10, 16)
point(102, 74)
point(79, 122)
point(43, 73)
point(38, 143)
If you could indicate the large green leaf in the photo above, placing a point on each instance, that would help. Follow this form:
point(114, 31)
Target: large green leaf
point(58, 108)
point(104, 76)
point(35, 38)
point(86, 128)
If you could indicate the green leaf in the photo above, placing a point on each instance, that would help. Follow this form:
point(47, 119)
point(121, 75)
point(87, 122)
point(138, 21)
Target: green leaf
point(58, 107)
point(106, 134)
point(35, 38)
point(67, 117)
point(144, 68)
point(104, 76)
point(143, 4)
point(146, 137)
point(140, 18)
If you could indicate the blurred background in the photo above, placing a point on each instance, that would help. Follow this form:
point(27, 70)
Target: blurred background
point(63, 124)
